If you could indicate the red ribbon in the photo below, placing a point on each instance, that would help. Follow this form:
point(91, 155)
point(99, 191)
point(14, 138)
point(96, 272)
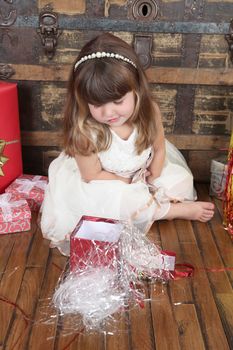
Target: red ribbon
point(187, 270)
point(182, 271)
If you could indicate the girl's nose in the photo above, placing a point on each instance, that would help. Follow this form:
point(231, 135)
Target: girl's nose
point(108, 110)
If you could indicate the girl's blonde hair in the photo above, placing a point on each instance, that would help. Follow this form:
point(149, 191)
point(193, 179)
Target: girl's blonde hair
point(98, 81)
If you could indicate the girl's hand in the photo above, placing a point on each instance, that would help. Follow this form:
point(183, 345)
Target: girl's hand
point(147, 173)
point(150, 179)
point(126, 180)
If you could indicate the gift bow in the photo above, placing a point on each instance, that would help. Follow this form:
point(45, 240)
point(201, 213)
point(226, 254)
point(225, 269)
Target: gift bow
point(6, 205)
point(3, 159)
point(27, 184)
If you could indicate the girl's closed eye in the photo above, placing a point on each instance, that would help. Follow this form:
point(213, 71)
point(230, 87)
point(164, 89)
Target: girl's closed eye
point(95, 106)
point(118, 102)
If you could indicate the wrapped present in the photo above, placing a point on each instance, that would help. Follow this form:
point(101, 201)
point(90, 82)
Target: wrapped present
point(15, 215)
point(10, 147)
point(94, 242)
point(29, 187)
point(218, 172)
point(99, 241)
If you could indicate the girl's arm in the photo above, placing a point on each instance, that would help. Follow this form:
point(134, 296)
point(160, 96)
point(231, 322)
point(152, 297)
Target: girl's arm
point(91, 169)
point(157, 163)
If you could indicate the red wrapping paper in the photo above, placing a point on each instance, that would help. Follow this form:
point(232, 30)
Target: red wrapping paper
point(10, 147)
point(87, 251)
point(29, 187)
point(15, 215)
point(91, 252)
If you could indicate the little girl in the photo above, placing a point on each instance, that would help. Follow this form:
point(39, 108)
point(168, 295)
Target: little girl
point(116, 162)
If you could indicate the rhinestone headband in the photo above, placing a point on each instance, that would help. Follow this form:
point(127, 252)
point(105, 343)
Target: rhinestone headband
point(101, 55)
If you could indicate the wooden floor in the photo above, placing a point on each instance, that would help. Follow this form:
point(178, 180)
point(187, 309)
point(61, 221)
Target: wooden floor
point(192, 313)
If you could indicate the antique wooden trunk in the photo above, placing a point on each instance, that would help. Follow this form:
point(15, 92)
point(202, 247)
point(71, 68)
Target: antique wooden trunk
point(186, 47)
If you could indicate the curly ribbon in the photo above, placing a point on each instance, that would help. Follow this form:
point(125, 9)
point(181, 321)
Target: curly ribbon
point(228, 198)
point(26, 185)
point(6, 205)
point(187, 270)
point(4, 159)
point(182, 271)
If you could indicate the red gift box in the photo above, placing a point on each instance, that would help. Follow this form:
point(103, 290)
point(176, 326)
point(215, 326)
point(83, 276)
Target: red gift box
point(15, 215)
point(94, 243)
point(29, 187)
point(10, 147)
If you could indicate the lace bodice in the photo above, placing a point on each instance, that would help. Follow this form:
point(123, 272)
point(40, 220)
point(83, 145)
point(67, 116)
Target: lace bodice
point(121, 157)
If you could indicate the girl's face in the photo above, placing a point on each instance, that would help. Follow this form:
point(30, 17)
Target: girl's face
point(114, 113)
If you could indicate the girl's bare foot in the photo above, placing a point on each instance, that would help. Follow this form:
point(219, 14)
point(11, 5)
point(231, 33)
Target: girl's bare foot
point(201, 211)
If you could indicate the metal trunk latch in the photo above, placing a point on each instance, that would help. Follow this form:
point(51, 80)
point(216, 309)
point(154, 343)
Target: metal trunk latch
point(6, 71)
point(146, 11)
point(48, 30)
point(229, 39)
point(142, 46)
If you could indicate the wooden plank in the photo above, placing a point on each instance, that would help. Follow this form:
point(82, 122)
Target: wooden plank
point(182, 303)
point(41, 138)
point(141, 332)
point(166, 50)
point(29, 292)
point(6, 246)
point(44, 325)
point(207, 311)
point(206, 122)
point(191, 76)
point(87, 340)
point(109, 3)
point(219, 280)
point(69, 332)
point(180, 290)
point(183, 142)
point(57, 72)
point(164, 323)
point(52, 104)
point(213, 52)
point(71, 8)
point(158, 75)
point(216, 270)
point(222, 239)
point(189, 327)
point(184, 109)
point(11, 281)
point(225, 306)
point(117, 333)
point(206, 242)
point(90, 342)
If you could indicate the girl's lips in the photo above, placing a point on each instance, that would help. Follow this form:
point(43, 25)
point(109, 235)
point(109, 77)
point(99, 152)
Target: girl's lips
point(113, 120)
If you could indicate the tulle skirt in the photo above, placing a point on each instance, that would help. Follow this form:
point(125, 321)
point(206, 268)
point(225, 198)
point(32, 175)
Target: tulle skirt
point(68, 197)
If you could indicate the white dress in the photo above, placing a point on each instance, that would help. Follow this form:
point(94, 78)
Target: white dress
point(68, 197)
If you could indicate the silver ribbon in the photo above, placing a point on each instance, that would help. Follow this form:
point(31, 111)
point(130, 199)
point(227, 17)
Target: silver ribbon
point(26, 185)
point(6, 206)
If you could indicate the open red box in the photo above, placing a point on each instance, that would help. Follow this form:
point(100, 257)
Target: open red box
point(94, 243)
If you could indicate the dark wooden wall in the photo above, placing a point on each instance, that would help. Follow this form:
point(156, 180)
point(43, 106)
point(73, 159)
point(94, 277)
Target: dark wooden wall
point(191, 73)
